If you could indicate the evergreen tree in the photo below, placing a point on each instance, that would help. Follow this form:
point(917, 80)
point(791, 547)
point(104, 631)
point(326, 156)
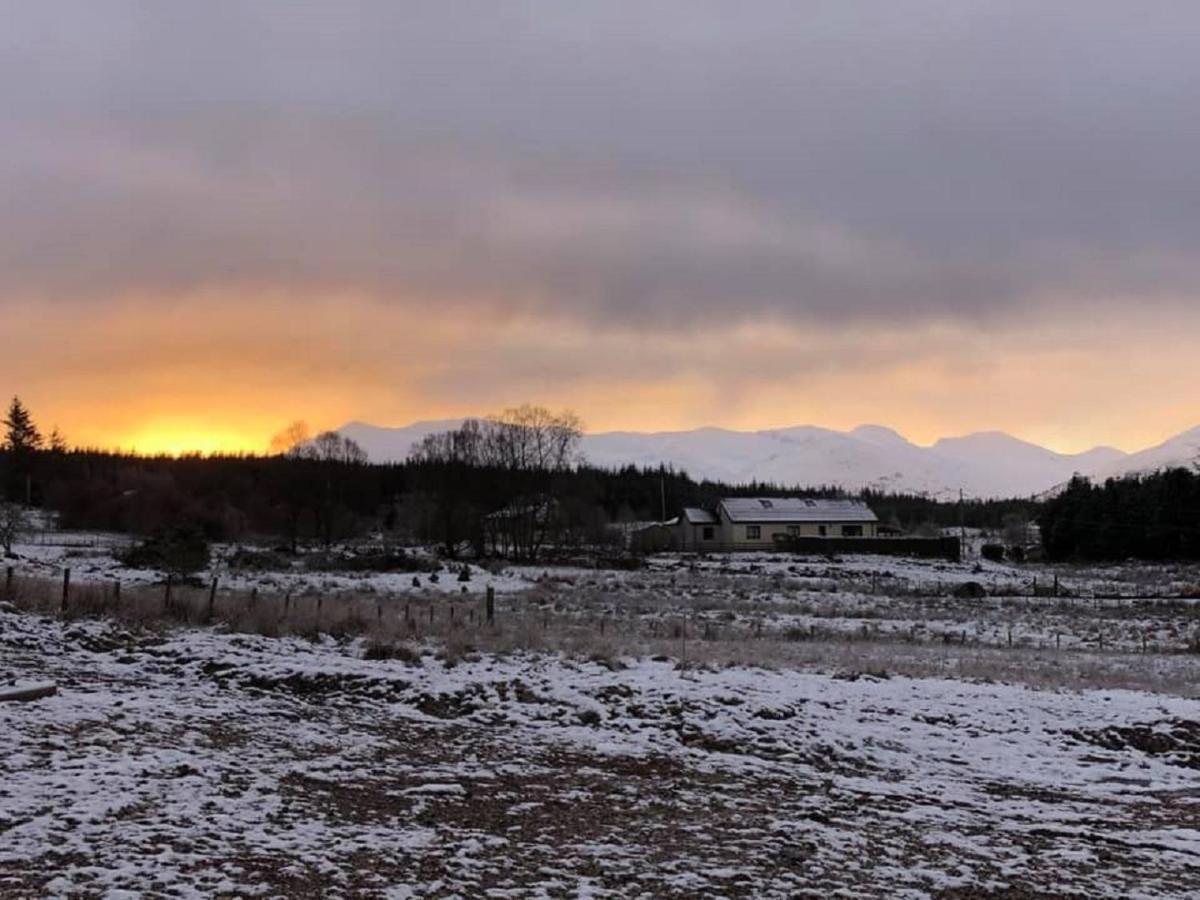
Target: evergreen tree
point(22, 435)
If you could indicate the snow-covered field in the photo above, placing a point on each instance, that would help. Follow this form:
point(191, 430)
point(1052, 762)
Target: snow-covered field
point(198, 763)
point(842, 727)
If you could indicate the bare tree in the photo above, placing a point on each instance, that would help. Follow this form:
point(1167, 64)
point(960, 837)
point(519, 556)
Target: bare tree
point(466, 446)
point(534, 439)
point(329, 446)
point(13, 523)
point(290, 440)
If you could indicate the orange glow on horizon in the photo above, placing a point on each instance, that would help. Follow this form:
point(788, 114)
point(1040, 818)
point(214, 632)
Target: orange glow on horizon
point(223, 371)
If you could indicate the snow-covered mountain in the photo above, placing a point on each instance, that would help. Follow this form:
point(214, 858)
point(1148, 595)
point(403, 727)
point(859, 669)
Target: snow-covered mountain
point(987, 464)
point(1183, 450)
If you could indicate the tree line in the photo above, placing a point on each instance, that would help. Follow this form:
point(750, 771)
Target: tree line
point(1152, 517)
point(509, 485)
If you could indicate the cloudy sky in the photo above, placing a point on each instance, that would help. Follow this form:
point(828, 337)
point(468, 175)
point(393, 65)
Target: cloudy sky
point(940, 216)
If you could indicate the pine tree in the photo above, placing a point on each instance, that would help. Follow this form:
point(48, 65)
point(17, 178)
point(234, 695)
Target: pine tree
point(56, 442)
point(22, 434)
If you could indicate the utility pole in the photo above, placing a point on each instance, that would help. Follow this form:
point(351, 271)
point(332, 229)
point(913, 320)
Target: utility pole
point(962, 525)
point(662, 487)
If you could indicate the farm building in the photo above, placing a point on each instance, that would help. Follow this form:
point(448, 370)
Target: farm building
point(754, 523)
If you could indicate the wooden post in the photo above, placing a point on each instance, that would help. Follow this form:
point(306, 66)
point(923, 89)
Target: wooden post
point(1057, 640)
point(1010, 635)
point(212, 599)
point(1056, 585)
point(491, 605)
point(379, 613)
point(66, 594)
point(8, 583)
point(167, 596)
point(116, 593)
point(546, 620)
point(430, 612)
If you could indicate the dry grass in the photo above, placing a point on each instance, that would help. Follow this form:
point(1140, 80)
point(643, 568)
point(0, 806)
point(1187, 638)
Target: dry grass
point(686, 622)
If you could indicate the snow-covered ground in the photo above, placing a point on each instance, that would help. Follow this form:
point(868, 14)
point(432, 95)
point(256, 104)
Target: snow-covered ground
point(198, 763)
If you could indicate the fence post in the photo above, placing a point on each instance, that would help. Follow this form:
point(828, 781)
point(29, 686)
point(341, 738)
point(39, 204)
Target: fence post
point(491, 605)
point(66, 595)
point(212, 599)
point(167, 596)
point(116, 594)
point(8, 583)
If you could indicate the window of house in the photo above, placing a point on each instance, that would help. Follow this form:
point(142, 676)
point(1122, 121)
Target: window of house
point(707, 533)
point(767, 504)
point(822, 530)
point(794, 530)
point(753, 532)
point(852, 531)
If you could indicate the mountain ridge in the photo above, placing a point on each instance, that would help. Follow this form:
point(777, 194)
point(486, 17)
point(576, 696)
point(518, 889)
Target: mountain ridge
point(982, 464)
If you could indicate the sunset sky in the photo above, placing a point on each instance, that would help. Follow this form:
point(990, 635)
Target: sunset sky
point(939, 216)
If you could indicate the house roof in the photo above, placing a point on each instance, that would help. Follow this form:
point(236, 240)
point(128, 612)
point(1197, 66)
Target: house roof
point(795, 509)
point(695, 516)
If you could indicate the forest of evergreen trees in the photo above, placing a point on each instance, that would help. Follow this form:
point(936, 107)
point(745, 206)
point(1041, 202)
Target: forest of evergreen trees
point(1154, 517)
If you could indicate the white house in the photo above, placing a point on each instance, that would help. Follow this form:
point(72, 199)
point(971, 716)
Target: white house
point(752, 523)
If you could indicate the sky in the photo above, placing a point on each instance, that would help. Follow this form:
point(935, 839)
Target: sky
point(942, 217)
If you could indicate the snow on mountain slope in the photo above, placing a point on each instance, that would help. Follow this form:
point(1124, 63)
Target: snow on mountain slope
point(987, 464)
point(1181, 451)
point(394, 444)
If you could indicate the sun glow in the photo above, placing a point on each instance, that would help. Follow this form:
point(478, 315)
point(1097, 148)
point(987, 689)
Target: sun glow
point(178, 439)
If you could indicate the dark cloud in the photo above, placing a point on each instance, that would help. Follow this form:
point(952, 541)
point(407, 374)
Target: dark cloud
point(670, 163)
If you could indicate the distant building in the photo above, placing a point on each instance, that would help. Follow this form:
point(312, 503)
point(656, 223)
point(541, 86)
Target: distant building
point(754, 523)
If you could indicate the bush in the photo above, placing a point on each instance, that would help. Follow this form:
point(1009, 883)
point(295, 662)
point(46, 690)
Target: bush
point(181, 551)
point(258, 560)
point(992, 552)
point(369, 561)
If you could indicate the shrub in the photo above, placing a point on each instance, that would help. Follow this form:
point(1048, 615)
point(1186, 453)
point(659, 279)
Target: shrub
point(182, 550)
point(992, 552)
point(369, 561)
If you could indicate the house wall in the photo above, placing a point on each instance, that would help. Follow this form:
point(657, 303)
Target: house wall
point(734, 535)
point(691, 537)
point(728, 535)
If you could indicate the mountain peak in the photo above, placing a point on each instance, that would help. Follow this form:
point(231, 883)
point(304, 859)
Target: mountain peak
point(880, 435)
